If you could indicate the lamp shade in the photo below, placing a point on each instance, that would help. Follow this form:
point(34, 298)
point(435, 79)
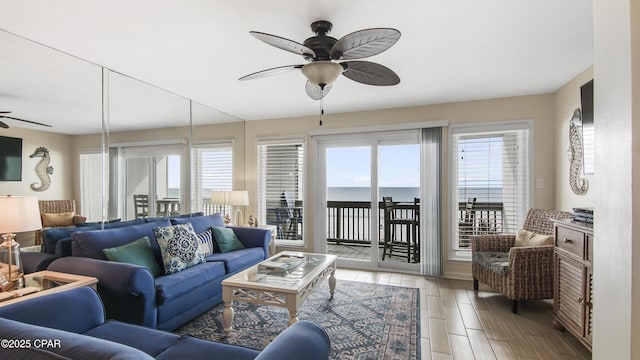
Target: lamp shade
point(19, 214)
point(239, 198)
point(322, 72)
point(220, 197)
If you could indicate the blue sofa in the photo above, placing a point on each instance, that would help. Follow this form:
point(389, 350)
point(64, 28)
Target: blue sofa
point(56, 242)
point(71, 325)
point(132, 294)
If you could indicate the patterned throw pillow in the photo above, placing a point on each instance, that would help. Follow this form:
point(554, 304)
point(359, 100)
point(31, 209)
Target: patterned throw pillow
point(205, 242)
point(178, 246)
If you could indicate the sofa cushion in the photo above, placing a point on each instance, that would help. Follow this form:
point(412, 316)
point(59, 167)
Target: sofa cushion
point(68, 345)
point(91, 243)
point(151, 341)
point(57, 219)
point(239, 259)
point(226, 239)
point(138, 252)
point(200, 223)
point(188, 347)
point(496, 261)
point(205, 242)
point(179, 247)
point(169, 287)
point(529, 238)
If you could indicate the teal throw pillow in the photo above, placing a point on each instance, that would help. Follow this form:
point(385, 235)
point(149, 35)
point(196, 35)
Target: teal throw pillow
point(226, 239)
point(179, 247)
point(138, 252)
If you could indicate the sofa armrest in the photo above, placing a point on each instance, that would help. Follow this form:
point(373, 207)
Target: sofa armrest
point(253, 237)
point(127, 291)
point(36, 261)
point(500, 243)
point(83, 303)
point(302, 340)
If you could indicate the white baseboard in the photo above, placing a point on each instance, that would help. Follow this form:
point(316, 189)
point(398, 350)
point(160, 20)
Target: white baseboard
point(458, 275)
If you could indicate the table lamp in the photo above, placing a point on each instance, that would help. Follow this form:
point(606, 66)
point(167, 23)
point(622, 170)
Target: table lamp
point(221, 198)
point(17, 214)
point(238, 198)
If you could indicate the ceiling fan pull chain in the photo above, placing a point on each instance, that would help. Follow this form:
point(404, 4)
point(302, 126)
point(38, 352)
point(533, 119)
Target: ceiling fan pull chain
point(321, 105)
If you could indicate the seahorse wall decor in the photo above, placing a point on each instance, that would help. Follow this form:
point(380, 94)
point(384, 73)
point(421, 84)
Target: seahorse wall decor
point(579, 185)
point(43, 170)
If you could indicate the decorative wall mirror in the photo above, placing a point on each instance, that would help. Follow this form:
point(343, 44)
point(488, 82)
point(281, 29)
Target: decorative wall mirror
point(579, 185)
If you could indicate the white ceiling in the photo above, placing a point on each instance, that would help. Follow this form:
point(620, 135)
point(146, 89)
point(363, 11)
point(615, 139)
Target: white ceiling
point(453, 50)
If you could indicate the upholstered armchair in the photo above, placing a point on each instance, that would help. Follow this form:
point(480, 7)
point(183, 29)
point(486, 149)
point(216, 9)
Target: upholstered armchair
point(518, 266)
point(57, 213)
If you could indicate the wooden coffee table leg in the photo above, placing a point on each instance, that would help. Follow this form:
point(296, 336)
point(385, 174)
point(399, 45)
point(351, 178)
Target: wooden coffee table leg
point(293, 317)
point(227, 317)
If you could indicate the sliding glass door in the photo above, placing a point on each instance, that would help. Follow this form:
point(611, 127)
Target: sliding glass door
point(357, 174)
point(152, 183)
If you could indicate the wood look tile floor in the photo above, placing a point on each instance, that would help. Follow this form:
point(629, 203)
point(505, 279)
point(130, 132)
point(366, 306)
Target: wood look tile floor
point(457, 323)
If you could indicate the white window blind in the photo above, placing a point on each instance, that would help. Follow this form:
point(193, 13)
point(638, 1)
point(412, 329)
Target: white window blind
point(214, 171)
point(280, 172)
point(91, 186)
point(491, 177)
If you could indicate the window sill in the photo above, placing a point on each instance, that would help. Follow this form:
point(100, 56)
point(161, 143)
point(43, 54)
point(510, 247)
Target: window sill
point(460, 255)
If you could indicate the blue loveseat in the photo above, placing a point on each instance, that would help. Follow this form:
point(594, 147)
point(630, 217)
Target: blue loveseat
point(132, 294)
point(71, 325)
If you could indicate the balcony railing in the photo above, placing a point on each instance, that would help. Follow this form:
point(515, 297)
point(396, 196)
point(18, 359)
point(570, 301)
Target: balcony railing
point(348, 222)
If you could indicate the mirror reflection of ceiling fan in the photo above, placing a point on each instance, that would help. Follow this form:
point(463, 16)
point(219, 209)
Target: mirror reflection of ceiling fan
point(5, 126)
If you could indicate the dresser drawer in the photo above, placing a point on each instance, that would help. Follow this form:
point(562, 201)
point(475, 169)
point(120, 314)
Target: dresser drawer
point(570, 240)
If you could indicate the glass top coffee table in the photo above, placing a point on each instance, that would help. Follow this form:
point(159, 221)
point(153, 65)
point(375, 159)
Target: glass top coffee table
point(45, 282)
point(284, 280)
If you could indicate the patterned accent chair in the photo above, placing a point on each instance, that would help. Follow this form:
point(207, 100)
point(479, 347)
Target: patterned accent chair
point(49, 207)
point(520, 273)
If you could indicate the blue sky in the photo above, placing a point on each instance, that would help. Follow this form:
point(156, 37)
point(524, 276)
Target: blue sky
point(398, 166)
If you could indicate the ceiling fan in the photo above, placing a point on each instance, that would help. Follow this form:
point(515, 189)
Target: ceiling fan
point(322, 53)
point(5, 126)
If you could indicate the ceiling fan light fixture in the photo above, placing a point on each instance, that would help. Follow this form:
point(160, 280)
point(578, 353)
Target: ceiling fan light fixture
point(322, 72)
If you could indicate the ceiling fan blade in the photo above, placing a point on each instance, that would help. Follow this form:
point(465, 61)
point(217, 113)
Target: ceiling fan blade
point(369, 73)
point(364, 43)
point(270, 72)
point(315, 91)
point(3, 125)
point(284, 44)
point(27, 121)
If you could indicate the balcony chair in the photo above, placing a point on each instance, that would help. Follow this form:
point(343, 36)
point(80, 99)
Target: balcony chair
point(141, 205)
point(466, 223)
point(518, 266)
point(295, 216)
point(406, 245)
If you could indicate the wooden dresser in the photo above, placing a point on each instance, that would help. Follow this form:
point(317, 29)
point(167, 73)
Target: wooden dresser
point(573, 279)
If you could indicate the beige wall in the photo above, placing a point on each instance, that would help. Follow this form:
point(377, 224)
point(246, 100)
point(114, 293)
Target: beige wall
point(567, 99)
point(60, 151)
point(538, 108)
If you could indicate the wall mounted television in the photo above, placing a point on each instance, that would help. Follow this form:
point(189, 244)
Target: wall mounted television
point(10, 159)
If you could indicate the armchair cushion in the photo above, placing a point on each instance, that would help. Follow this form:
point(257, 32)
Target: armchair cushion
point(496, 261)
point(529, 238)
point(57, 219)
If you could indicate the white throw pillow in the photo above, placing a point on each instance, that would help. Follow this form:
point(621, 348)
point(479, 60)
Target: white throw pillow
point(528, 238)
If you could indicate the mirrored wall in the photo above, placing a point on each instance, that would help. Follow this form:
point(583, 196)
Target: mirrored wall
point(126, 148)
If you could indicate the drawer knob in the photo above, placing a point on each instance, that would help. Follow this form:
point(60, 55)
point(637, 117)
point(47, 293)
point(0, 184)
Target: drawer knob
point(580, 300)
point(567, 241)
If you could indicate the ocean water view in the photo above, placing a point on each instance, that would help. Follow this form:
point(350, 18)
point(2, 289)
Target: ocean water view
point(407, 194)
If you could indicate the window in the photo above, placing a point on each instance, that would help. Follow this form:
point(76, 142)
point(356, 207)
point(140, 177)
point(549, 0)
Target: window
point(213, 171)
point(281, 187)
point(490, 170)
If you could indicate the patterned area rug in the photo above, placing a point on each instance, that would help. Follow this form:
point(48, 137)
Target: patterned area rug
point(364, 321)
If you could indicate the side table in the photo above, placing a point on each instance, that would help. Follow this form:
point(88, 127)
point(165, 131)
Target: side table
point(46, 282)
